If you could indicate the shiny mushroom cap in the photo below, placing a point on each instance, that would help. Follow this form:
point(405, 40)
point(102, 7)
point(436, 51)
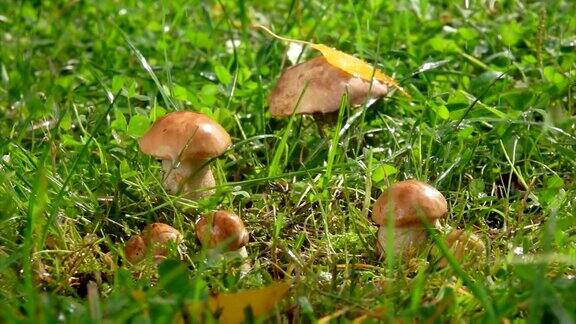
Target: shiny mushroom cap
point(135, 249)
point(157, 236)
point(185, 135)
point(159, 233)
point(408, 200)
point(323, 86)
point(222, 227)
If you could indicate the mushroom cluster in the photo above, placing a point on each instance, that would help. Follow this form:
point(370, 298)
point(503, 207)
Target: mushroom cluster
point(186, 142)
point(219, 232)
point(153, 240)
point(408, 205)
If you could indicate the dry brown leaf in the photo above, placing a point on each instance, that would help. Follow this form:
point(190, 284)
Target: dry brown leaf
point(346, 62)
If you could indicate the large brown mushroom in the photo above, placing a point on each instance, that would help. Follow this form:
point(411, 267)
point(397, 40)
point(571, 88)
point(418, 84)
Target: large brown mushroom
point(319, 86)
point(223, 231)
point(185, 141)
point(407, 204)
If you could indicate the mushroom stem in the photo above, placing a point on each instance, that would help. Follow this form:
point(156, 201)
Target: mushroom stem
point(406, 239)
point(245, 267)
point(242, 252)
point(325, 122)
point(188, 177)
point(215, 253)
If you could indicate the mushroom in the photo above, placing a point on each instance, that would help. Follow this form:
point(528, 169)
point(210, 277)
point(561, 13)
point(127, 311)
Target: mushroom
point(157, 235)
point(317, 87)
point(135, 249)
point(223, 231)
point(406, 203)
point(461, 244)
point(154, 236)
point(185, 142)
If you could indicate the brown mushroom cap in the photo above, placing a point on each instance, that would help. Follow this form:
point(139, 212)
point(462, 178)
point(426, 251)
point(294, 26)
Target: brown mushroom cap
point(187, 135)
point(135, 249)
point(326, 86)
point(407, 200)
point(227, 228)
point(159, 233)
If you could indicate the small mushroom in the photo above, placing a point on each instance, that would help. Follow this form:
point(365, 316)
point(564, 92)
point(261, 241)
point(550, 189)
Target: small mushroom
point(464, 246)
point(135, 249)
point(321, 87)
point(185, 141)
point(161, 233)
point(407, 202)
point(222, 230)
point(157, 235)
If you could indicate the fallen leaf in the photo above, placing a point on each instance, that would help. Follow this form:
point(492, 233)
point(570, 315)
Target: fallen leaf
point(346, 62)
point(231, 307)
point(360, 319)
point(317, 87)
point(332, 317)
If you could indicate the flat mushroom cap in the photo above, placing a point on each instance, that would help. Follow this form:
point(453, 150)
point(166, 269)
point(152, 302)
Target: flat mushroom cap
point(226, 228)
point(326, 86)
point(407, 200)
point(187, 135)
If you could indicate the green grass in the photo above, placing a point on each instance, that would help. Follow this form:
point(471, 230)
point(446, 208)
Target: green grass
point(492, 110)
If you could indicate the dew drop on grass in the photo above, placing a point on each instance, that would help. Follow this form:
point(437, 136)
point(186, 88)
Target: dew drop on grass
point(231, 44)
point(325, 276)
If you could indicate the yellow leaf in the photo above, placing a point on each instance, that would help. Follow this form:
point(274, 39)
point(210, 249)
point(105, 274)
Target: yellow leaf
point(346, 62)
point(231, 306)
point(332, 317)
